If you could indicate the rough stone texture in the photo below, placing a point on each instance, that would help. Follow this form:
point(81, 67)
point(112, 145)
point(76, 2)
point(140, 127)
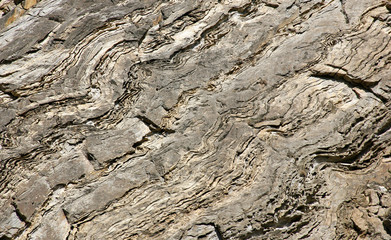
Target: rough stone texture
point(147, 119)
point(10, 11)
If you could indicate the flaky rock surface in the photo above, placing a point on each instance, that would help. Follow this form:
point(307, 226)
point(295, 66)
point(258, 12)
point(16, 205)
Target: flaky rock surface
point(263, 119)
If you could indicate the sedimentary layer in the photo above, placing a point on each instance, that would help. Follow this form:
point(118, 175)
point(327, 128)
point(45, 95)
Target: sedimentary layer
point(195, 119)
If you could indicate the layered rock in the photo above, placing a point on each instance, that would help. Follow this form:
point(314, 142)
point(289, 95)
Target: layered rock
point(196, 120)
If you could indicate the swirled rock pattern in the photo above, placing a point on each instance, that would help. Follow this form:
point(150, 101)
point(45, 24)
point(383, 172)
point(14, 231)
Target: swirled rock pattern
point(216, 119)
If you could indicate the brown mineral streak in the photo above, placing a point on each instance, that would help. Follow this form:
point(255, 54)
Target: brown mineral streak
point(17, 11)
point(218, 119)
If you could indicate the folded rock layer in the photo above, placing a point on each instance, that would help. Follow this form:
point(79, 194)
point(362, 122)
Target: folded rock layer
point(217, 119)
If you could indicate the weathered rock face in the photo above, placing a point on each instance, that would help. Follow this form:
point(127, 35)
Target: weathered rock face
point(195, 119)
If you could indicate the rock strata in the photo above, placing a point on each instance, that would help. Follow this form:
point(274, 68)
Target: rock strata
point(147, 119)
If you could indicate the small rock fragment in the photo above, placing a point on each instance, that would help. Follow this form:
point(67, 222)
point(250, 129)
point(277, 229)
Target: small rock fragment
point(359, 221)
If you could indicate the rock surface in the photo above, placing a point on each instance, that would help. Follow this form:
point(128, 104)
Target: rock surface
point(217, 119)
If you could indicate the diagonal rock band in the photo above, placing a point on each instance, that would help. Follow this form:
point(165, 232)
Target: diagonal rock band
point(148, 119)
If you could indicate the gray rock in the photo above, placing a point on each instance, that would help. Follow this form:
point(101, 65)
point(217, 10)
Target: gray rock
point(133, 119)
point(104, 147)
